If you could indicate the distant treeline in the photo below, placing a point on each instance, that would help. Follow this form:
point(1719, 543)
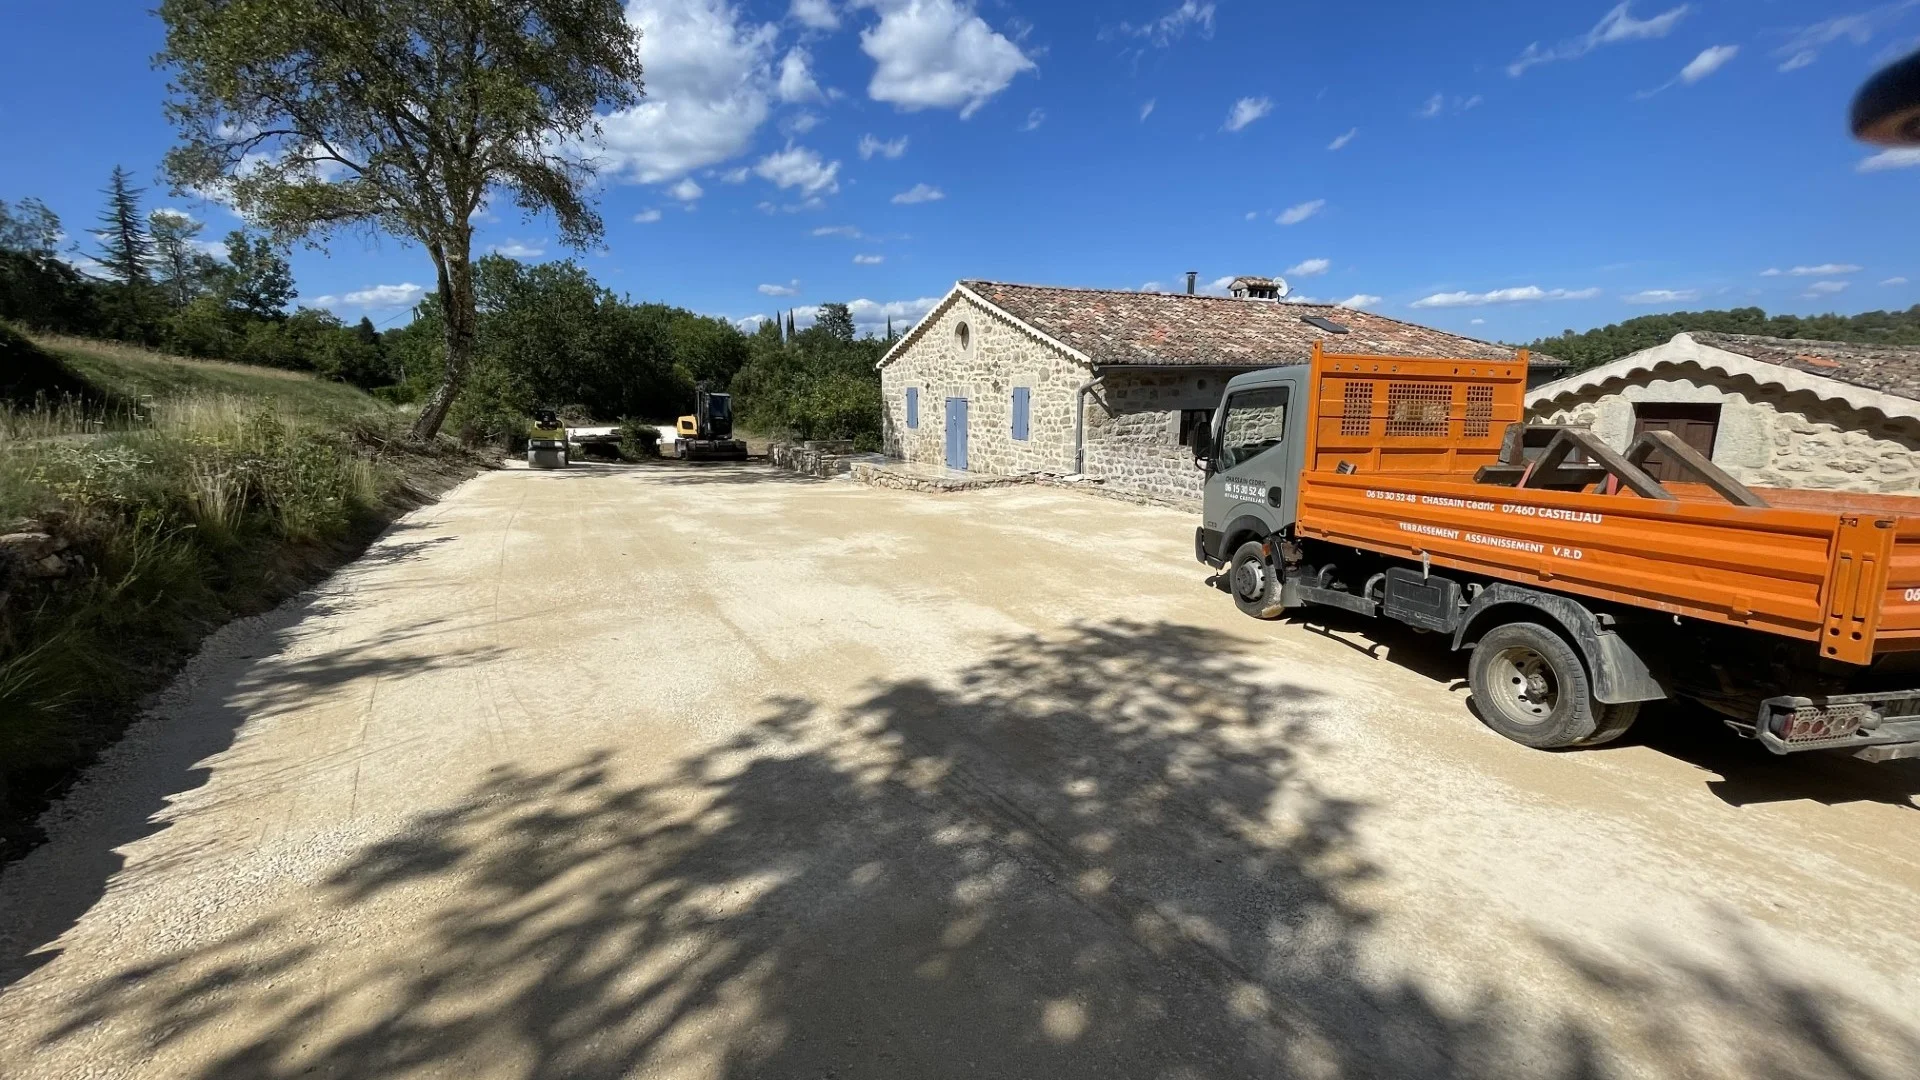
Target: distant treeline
point(549, 334)
point(1608, 343)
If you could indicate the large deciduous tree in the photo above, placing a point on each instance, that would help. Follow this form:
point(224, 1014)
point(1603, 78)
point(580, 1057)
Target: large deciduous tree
point(310, 115)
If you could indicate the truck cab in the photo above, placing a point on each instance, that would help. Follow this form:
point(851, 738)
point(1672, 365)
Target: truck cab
point(1252, 457)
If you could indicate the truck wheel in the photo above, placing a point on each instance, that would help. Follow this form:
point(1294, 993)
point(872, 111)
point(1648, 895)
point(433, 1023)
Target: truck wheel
point(1250, 575)
point(1530, 686)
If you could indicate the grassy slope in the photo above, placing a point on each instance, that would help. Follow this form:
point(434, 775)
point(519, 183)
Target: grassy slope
point(130, 373)
point(312, 471)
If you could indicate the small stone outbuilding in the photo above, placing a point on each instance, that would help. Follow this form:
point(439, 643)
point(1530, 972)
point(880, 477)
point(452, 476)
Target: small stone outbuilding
point(1774, 412)
point(1113, 385)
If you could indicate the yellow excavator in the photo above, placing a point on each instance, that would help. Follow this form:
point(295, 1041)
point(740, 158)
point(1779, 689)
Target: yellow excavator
point(547, 442)
point(707, 435)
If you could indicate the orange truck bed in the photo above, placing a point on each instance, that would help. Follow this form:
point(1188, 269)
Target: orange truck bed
point(1393, 449)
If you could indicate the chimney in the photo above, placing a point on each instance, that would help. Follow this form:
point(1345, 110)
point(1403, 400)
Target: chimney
point(1192, 275)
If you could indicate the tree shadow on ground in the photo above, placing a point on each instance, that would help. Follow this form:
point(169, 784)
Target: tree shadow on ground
point(1091, 854)
point(43, 895)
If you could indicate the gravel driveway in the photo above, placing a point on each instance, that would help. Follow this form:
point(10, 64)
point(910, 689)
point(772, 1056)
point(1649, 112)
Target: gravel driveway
point(708, 772)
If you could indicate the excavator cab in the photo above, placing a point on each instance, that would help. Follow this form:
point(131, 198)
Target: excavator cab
point(707, 434)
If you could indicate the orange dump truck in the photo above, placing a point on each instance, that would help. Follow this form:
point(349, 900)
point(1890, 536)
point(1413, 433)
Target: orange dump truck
point(1413, 489)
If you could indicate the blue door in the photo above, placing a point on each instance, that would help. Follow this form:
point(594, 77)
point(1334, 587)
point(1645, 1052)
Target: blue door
point(956, 433)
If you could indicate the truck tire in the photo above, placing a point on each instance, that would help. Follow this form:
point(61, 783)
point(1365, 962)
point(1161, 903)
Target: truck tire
point(1250, 577)
point(1529, 685)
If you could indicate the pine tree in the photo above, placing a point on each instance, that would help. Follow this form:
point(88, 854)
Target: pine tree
point(126, 249)
point(790, 330)
point(182, 268)
point(889, 329)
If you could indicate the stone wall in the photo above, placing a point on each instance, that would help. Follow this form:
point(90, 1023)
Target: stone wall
point(1133, 429)
point(1768, 437)
point(996, 359)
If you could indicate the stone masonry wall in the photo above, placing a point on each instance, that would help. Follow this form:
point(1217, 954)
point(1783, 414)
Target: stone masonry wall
point(1768, 438)
point(997, 359)
point(1133, 429)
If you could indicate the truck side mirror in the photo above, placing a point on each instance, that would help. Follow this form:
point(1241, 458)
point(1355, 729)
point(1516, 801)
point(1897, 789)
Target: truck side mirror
point(1203, 449)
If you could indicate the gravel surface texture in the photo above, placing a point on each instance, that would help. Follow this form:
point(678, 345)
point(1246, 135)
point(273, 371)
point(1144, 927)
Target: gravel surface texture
point(710, 771)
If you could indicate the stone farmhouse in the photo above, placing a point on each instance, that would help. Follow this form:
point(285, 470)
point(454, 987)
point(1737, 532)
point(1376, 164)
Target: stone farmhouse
point(1773, 412)
point(1017, 379)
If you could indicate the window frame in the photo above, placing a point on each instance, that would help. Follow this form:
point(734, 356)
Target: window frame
point(1222, 450)
point(913, 407)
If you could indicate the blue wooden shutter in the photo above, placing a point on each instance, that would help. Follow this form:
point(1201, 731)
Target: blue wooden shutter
point(1022, 396)
point(913, 406)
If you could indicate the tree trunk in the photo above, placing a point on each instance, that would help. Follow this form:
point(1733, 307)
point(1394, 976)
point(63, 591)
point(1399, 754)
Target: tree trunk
point(457, 312)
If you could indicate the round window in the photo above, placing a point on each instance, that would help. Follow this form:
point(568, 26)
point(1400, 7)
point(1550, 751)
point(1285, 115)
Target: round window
point(962, 336)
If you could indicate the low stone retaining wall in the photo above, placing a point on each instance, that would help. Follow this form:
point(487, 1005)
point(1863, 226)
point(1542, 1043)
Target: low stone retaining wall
point(816, 457)
point(901, 476)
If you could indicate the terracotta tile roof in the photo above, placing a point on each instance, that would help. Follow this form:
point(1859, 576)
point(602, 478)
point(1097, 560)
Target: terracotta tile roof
point(1890, 369)
point(1115, 327)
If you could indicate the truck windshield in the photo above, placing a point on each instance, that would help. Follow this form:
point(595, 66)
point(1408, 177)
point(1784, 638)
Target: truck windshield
point(1256, 421)
point(720, 408)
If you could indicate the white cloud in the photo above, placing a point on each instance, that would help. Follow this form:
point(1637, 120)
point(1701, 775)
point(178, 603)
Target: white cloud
point(1710, 60)
point(1662, 296)
point(1151, 286)
point(686, 190)
point(1905, 157)
point(751, 323)
point(1147, 109)
point(1034, 120)
point(1246, 111)
point(797, 166)
point(800, 123)
point(516, 249)
point(1309, 267)
point(1476, 322)
point(1517, 295)
point(790, 289)
point(919, 193)
point(796, 78)
point(1438, 104)
point(1294, 215)
point(375, 296)
point(1826, 288)
point(646, 217)
point(871, 317)
point(1168, 28)
point(736, 175)
point(1359, 301)
point(708, 79)
point(1340, 141)
point(171, 214)
point(814, 14)
point(1825, 270)
point(869, 260)
point(937, 54)
point(848, 231)
point(886, 148)
point(1804, 46)
point(1894, 281)
point(1771, 271)
point(1251, 214)
point(1616, 26)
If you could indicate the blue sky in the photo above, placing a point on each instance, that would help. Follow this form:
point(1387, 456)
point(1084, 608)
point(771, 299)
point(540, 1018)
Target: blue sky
point(1505, 169)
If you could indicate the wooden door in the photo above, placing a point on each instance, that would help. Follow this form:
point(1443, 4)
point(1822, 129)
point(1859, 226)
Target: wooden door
point(1695, 424)
point(957, 433)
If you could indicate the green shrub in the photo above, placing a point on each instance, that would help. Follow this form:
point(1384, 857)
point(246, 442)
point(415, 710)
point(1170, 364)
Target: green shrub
point(639, 439)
